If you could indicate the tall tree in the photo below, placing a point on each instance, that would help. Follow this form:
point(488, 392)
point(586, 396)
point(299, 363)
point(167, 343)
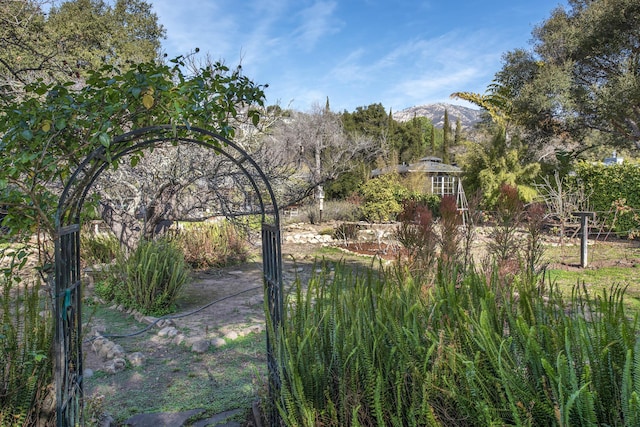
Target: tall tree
point(582, 75)
point(446, 141)
point(92, 32)
point(317, 150)
point(432, 140)
point(74, 37)
point(457, 139)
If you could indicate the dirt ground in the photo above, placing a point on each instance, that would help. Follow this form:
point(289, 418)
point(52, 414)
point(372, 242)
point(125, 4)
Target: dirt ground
point(216, 304)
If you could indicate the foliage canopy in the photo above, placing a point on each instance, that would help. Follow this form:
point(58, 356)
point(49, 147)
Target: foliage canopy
point(55, 126)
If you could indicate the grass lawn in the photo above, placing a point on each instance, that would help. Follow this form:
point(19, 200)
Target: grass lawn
point(609, 264)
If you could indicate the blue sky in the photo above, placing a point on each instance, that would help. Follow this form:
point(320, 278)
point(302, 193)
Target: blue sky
point(356, 52)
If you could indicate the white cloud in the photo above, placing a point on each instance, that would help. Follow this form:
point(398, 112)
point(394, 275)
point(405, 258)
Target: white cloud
point(316, 22)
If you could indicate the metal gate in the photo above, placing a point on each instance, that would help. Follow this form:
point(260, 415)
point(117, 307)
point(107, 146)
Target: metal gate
point(68, 332)
point(68, 286)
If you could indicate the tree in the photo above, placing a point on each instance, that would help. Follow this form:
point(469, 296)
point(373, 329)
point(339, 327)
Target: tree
point(458, 134)
point(94, 32)
point(317, 150)
point(432, 140)
point(73, 38)
point(583, 74)
point(489, 165)
point(446, 140)
point(47, 133)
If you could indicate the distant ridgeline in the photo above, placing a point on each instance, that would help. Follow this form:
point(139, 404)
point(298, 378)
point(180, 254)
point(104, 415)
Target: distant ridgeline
point(435, 112)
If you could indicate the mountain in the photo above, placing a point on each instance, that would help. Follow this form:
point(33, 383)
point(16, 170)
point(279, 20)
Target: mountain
point(435, 112)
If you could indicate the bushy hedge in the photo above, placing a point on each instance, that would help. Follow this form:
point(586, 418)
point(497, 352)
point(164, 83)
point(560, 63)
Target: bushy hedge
point(614, 193)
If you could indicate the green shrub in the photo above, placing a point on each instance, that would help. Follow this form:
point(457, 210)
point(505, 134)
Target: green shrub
point(345, 231)
point(156, 273)
point(614, 193)
point(381, 198)
point(207, 245)
point(149, 280)
point(99, 248)
point(432, 201)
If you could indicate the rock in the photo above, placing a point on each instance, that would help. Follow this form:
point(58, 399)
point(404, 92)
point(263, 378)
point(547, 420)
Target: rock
point(106, 420)
point(218, 342)
point(106, 348)
point(232, 335)
point(168, 331)
point(254, 329)
point(114, 366)
point(136, 359)
point(178, 339)
point(97, 344)
point(149, 319)
point(88, 373)
point(116, 351)
point(200, 346)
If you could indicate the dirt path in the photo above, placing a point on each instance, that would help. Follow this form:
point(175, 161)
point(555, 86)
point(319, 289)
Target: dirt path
point(224, 307)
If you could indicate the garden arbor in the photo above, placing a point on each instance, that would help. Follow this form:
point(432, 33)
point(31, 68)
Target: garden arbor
point(68, 284)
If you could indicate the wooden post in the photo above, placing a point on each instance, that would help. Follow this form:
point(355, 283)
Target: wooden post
point(584, 234)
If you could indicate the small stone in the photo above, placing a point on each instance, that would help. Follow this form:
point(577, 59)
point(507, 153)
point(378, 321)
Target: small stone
point(232, 335)
point(218, 342)
point(97, 344)
point(178, 339)
point(254, 329)
point(106, 348)
point(116, 351)
point(114, 366)
point(88, 373)
point(106, 420)
point(168, 331)
point(149, 319)
point(200, 346)
point(136, 359)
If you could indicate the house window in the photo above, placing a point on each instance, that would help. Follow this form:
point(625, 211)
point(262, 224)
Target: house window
point(443, 185)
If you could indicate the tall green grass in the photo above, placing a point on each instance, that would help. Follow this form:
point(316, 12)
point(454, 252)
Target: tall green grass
point(149, 280)
point(26, 365)
point(398, 349)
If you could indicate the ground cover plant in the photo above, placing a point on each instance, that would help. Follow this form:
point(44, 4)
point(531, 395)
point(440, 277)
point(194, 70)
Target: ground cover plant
point(402, 349)
point(459, 344)
point(26, 333)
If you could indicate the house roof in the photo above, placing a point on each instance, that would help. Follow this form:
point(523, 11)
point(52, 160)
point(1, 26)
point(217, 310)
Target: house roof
point(430, 165)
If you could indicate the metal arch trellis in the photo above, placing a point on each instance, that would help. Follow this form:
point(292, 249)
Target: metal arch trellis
point(68, 285)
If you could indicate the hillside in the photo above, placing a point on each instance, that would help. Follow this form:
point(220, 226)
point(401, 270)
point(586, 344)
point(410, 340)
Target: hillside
point(435, 112)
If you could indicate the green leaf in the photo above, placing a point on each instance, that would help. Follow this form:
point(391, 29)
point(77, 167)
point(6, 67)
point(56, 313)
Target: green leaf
point(104, 139)
point(27, 134)
point(134, 161)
